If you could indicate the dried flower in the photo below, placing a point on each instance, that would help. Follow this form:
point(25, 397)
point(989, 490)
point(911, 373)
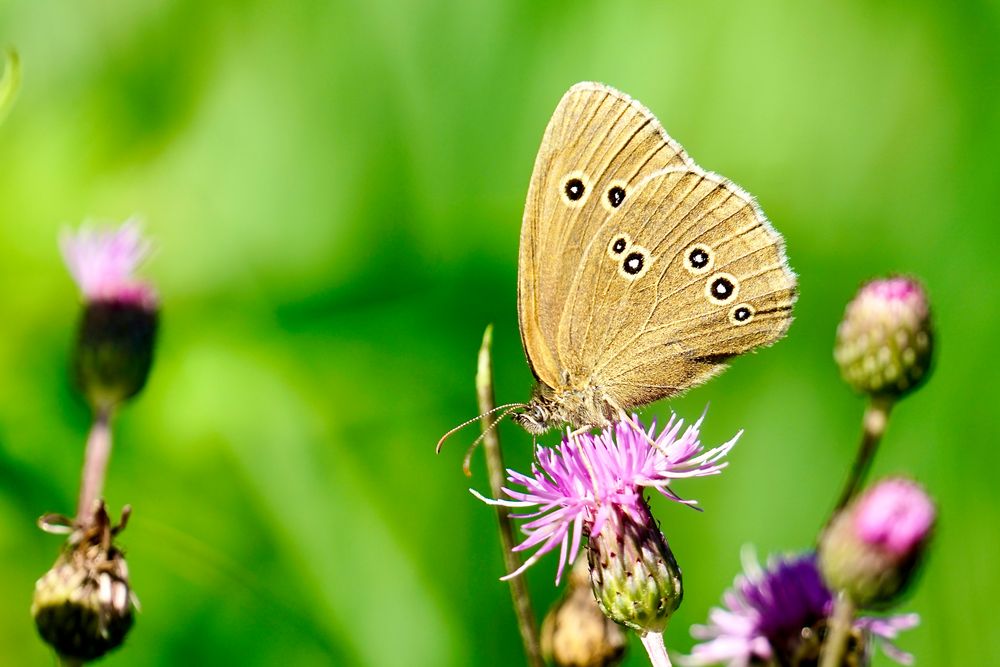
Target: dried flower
point(885, 341)
point(83, 606)
point(872, 548)
point(779, 614)
point(575, 632)
point(114, 350)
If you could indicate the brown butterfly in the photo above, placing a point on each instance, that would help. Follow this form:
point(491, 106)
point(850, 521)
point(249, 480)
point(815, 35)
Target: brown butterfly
point(640, 274)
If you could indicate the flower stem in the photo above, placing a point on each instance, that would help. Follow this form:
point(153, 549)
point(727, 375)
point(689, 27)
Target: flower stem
point(494, 464)
point(653, 643)
point(873, 427)
point(95, 465)
point(840, 632)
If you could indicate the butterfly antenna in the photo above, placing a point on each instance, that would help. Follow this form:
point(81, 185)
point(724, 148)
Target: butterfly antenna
point(467, 461)
point(437, 450)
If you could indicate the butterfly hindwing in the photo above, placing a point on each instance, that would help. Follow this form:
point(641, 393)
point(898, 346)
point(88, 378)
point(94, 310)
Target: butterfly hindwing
point(686, 274)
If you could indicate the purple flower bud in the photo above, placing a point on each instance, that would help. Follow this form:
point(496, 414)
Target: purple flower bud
point(114, 350)
point(884, 342)
point(872, 548)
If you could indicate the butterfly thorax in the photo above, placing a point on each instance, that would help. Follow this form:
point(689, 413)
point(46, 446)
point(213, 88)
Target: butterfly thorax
point(548, 408)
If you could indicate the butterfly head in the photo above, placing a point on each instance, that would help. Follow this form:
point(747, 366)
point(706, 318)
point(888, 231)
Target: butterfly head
point(536, 418)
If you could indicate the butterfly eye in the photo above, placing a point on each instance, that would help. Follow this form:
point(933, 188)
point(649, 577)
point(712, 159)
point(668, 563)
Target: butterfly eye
point(699, 259)
point(722, 288)
point(741, 314)
point(635, 264)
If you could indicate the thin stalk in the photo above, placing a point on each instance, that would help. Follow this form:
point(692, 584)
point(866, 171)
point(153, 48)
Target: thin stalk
point(841, 622)
point(495, 467)
point(873, 428)
point(653, 643)
point(95, 465)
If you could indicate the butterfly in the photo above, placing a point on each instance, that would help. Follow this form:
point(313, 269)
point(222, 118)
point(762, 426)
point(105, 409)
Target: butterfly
point(640, 274)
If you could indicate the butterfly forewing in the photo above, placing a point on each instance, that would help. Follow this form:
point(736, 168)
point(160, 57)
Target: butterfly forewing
point(598, 147)
point(684, 275)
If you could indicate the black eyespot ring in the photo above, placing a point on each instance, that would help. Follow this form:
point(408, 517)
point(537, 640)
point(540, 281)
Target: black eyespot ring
point(699, 259)
point(616, 195)
point(619, 245)
point(633, 263)
point(574, 189)
point(722, 288)
point(741, 313)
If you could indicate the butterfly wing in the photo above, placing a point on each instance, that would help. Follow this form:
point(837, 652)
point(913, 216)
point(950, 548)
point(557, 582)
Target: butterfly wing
point(685, 275)
point(598, 146)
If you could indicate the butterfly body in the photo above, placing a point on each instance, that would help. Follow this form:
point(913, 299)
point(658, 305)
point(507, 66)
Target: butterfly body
point(640, 274)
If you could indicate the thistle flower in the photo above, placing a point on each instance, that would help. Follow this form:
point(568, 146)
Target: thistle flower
point(83, 606)
point(872, 548)
point(778, 616)
point(114, 349)
point(575, 632)
point(884, 343)
point(592, 485)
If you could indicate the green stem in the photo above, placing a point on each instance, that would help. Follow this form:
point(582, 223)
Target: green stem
point(841, 624)
point(873, 428)
point(494, 464)
point(95, 465)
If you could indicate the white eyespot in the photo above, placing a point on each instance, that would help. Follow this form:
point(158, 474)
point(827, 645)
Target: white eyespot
point(740, 314)
point(634, 263)
point(619, 245)
point(614, 195)
point(699, 259)
point(722, 288)
point(574, 188)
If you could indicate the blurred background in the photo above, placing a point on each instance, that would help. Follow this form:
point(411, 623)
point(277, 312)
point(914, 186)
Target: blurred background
point(336, 189)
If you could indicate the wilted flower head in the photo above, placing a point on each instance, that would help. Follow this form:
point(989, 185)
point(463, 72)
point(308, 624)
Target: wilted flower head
point(588, 479)
point(103, 263)
point(885, 340)
point(83, 606)
point(114, 350)
point(780, 614)
point(575, 632)
point(874, 545)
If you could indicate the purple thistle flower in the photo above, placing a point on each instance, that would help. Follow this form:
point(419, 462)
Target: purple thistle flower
point(102, 262)
point(770, 613)
point(590, 480)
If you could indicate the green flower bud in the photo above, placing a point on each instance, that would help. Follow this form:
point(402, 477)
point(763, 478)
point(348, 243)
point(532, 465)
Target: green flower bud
point(633, 572)
point(872, 548)
point(884, 342)
point(576, 633)
point(83, 606)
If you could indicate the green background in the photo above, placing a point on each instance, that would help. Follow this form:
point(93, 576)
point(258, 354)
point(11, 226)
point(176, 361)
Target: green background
point(336, 191)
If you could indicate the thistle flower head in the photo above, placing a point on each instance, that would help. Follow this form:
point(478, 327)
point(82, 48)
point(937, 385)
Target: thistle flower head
point(103, 263)
point(872, 548)
point(884, 342)
point(114, 350)
point(779, 614)
point(589, 480)
point(83, 606)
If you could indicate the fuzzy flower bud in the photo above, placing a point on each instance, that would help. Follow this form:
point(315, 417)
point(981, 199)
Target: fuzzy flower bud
point(634, 575)
point(83, 606)
point(114, 349)
point(884, 343)
point(872, 548)
point(575, 632)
